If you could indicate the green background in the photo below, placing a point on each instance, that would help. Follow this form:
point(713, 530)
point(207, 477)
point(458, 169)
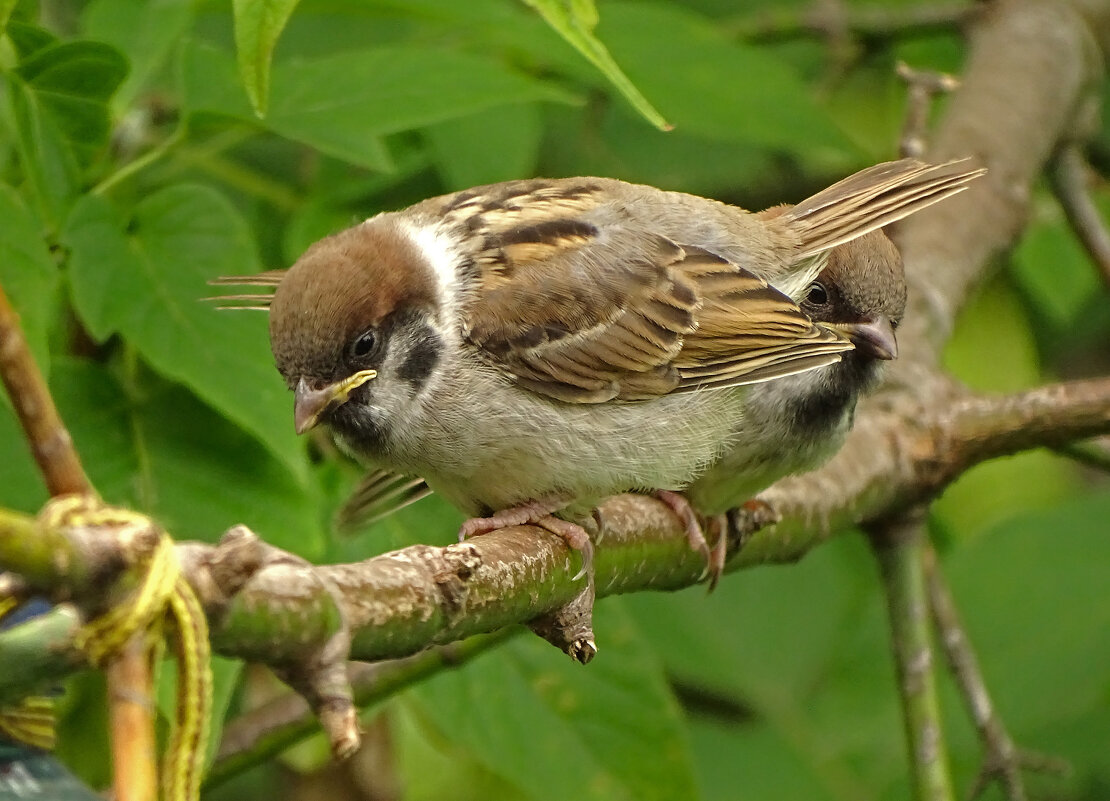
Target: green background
point(149, 146)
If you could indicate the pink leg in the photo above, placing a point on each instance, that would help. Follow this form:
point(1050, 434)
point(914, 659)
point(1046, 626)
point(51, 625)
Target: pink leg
point(575, 536)
point(714, 561)
point(523, 515)
point(537, 513)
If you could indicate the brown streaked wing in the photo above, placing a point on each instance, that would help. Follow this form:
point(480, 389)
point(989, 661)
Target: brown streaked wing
point(590, 321)
point(747, 331)
point(579, 325)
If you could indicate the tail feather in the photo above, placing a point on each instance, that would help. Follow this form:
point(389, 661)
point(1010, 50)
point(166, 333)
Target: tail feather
point(258, 301)
point(873, 198)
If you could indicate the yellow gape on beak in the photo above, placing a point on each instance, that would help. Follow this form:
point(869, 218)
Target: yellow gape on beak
point(309, 404)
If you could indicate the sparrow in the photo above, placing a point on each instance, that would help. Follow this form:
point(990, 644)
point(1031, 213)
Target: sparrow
point(796, 423)
point(530, 347)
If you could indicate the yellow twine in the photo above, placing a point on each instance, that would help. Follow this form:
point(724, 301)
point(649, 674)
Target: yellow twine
point(163, 592)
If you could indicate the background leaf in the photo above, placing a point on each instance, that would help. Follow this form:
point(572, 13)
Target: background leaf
point(27, 273)
point(575, 21)
point(143, 275)
point(615, 726)
point(258, 24)
point(339, 104)
point(145, 30)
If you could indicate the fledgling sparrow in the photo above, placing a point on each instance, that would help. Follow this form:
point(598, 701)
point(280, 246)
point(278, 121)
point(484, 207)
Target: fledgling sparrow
point(532, 346)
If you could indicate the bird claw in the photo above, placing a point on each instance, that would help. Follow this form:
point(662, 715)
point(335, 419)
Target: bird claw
point(537, 513)
point(714, 557)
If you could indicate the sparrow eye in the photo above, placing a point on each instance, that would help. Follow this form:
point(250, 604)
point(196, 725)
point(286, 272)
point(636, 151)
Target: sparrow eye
point(364, 344)
point(817, 295)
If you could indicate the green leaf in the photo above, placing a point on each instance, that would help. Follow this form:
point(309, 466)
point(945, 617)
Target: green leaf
point(258, 24)
point(27, 39)
point(614, 726)
point(712, 86)
point(49, 164)
point(341, 104)
point(6, 9)
point(575, 21)
point(489, 146)
point(73, 81)
point(143, 276)
point(163, 452)
point(27, 273)
point(1064, 293)
point(58, 96)
point(144, 30)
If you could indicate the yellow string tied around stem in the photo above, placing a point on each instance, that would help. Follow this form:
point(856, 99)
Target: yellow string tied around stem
point(32, 720)
point(162, 593)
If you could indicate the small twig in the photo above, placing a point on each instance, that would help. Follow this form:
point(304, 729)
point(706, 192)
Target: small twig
point(921, 86)
point(131, 704)
point(1068, 174)
point(1003, 760)
point(50, 442)
point(898, 546)
point(1093, 453)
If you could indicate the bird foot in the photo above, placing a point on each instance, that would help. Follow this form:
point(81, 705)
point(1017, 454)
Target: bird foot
point(715, 557)
point(536, 513)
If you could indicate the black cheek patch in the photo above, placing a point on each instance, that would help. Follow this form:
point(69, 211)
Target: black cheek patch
point(422, 357)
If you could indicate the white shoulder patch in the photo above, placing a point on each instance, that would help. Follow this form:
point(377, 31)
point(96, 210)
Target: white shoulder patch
point(443, 257)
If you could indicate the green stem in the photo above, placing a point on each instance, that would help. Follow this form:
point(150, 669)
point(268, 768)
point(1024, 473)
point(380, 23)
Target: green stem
point(139, 164)
point(899, 547)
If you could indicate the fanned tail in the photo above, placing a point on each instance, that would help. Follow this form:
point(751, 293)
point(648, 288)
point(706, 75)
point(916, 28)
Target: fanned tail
point(873, 198)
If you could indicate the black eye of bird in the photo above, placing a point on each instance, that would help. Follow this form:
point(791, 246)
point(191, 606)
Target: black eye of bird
point(364, 343)
point(817, 294)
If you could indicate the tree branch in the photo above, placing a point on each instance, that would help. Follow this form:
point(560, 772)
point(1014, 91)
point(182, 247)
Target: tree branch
point(898, 547)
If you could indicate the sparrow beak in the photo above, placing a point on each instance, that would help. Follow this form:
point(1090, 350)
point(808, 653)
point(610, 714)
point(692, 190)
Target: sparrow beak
point(873, 337)
point(309, 404)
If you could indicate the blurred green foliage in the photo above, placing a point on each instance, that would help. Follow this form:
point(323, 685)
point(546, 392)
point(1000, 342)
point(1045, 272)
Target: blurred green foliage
point(147, 146)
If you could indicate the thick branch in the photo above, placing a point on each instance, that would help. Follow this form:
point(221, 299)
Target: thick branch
point(280, 609)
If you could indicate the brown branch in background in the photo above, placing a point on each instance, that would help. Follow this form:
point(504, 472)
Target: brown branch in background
point(897, 546)
point(1094, 453)
point(50, 442)
point(921, 86)
point(1003, 760)
point(130, 682)
point(1069, 176)
point(860, 21)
